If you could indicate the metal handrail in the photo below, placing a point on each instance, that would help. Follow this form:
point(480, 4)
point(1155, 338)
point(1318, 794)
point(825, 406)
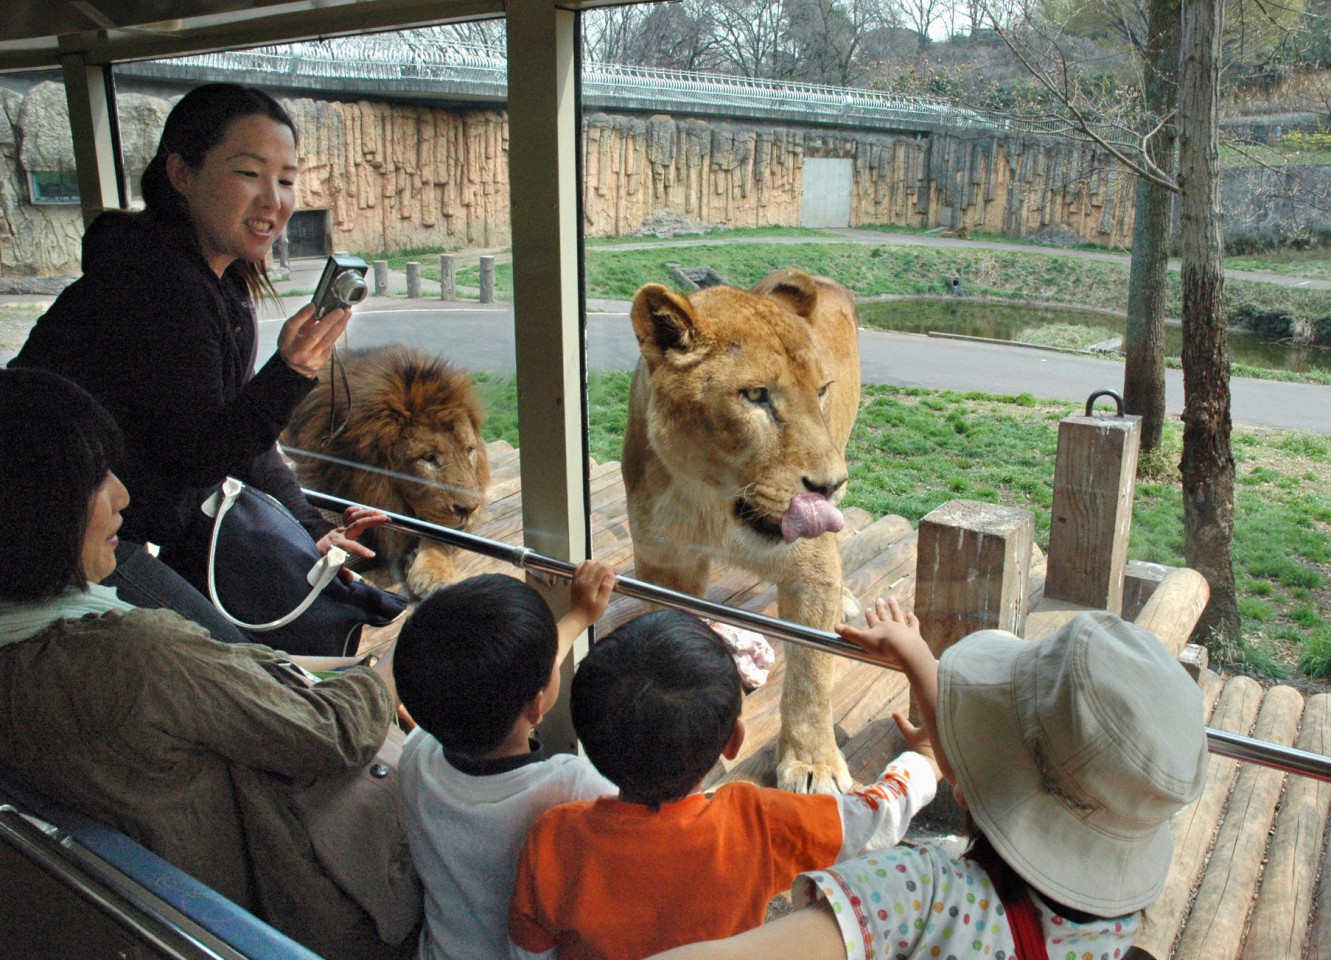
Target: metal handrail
point(1220, 742)
point(483, 69)
point(49, 848)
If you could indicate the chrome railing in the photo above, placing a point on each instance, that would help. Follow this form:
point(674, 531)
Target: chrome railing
point(1220, 742)
point(482, 71)
point(143, 917)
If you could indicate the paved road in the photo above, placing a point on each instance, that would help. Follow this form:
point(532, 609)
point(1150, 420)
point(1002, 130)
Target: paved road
point(480, 337)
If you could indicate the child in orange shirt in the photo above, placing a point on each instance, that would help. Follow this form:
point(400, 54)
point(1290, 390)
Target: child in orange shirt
point(655, 705)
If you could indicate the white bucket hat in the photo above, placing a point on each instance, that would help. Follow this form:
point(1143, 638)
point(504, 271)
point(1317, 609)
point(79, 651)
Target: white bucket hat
point(1073, 752)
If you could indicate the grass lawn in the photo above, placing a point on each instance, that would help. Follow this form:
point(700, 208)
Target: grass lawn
point(1310, 264)
point(915, 449)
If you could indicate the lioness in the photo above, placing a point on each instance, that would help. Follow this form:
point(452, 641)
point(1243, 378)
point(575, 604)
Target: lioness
point(739, 413)
point(411, 444)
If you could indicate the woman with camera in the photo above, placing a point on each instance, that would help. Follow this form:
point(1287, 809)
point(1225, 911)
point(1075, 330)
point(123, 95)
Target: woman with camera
point(161, 329)
point(139, 719)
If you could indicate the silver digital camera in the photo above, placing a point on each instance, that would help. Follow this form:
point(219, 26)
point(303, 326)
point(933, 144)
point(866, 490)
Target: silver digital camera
point(341, 284)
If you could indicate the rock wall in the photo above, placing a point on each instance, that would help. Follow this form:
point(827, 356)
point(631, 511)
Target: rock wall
point(747, 175)
point(395, 176)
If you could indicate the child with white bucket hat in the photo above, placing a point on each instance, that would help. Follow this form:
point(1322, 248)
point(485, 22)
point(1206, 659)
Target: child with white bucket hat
point(1071, 754)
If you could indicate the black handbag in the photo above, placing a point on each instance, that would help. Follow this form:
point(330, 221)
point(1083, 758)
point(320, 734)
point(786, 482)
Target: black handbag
point(265, 575)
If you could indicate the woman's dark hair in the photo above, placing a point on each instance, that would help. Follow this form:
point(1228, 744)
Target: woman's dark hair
point(471, 657)
point(196, 124)
point(655, 703)
point(56, 446)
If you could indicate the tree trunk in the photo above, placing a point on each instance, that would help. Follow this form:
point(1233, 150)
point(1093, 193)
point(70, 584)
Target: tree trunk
point(1144, 339)
point(1208, 462)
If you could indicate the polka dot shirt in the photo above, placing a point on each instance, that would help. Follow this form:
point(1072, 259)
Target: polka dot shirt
point(917, 902)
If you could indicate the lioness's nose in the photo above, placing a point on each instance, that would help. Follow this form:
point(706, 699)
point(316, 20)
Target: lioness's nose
point(828, 488)
point(462, 512)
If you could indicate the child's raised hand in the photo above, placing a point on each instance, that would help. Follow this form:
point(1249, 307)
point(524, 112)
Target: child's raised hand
point(893, 637)
point(917, 739)
point(589, 593)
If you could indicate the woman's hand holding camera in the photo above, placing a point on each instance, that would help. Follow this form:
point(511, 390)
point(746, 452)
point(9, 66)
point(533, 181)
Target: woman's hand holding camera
point(306, 343)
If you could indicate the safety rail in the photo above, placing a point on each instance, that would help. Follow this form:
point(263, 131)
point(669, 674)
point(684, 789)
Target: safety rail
point(481, 71)
point(1221, 742)
point(49, 848)
point(155, 902)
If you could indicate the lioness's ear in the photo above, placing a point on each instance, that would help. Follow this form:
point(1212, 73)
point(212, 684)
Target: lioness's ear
point(662, 320)
point(796, 289)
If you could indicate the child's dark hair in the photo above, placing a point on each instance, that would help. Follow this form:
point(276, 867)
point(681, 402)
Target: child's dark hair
point(655, 703)
point(471, 656)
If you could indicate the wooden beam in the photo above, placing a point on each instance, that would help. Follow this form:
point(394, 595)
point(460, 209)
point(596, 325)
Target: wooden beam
point(1214, 930)
point(972, 570)
point(1095, 477)
point(1194, 826)
point(1280, 915)
point(1173, 609)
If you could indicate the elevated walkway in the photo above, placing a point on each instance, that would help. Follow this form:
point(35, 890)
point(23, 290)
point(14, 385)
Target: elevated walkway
point(428, 69)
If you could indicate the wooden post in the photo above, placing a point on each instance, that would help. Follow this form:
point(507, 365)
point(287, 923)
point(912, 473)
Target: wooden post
point(413, 280)
point(380, 278)
point(1095, 477)
point(487, 279)
point(448, 278)
point(1140, 580)
point(972, 571)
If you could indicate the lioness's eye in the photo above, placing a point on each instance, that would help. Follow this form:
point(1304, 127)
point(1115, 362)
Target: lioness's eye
point(430, 457)
point(823, 392)
point(757, 395)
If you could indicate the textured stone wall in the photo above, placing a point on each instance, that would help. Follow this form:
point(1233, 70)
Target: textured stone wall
point(395, 176)
point(747, 175)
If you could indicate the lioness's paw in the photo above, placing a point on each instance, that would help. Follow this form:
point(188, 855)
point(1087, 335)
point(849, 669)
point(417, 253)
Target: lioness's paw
point(850, 607)
point(430, 569)
point(800, 776)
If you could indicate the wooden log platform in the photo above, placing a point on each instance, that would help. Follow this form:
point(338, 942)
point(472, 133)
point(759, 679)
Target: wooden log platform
point(1249, 879)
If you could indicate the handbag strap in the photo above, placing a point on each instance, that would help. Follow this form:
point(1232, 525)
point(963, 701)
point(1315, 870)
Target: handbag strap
point(319, 577)
point(1027, 935)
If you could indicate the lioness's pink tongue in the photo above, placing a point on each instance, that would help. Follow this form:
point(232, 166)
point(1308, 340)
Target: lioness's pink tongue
point(810, 515)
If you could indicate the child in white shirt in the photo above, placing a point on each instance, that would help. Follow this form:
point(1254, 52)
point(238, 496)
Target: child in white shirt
point(477, 666)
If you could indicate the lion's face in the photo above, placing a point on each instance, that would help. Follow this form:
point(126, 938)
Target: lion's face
point(439, 469)
point(414, 427)
point(738, 401)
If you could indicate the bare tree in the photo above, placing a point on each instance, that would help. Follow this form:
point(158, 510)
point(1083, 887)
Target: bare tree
point(1144, 338)
point(1208, 461)
point(609, 34)
point(1208, 465)
point(675, 35)
point(826, 38)
point(749, 35)
point(922, 16)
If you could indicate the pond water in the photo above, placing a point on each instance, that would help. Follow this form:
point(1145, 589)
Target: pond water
point(1005, 321)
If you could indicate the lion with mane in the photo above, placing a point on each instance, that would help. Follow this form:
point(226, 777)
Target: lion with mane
point(411, 445)
point(739, 413)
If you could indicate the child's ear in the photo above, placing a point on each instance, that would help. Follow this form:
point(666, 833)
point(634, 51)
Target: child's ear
point(532, 712)
point(731, 749)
